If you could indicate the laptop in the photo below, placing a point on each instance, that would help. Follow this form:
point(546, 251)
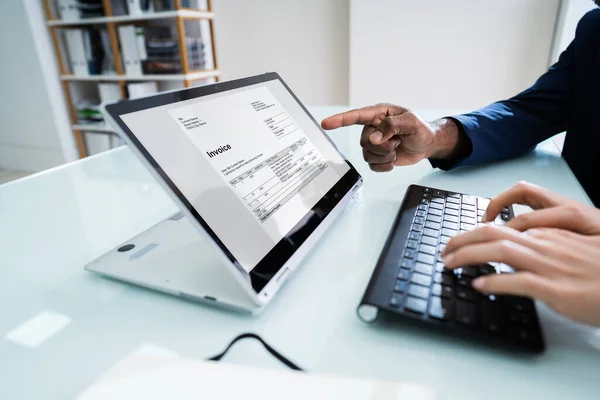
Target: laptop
point(257, 182)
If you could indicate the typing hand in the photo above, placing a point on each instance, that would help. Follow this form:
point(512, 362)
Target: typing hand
point(555, 251)
point(392, 135)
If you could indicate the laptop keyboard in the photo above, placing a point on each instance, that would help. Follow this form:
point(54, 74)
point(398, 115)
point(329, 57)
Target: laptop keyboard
point(425, 289)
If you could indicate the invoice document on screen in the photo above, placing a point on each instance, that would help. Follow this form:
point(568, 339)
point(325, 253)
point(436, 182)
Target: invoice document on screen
point(261, 154)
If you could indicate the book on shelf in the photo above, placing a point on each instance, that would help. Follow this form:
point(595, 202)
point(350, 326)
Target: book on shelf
point(67, 10)
point(87, 52)
point(141, 89)
point(159, 51)
point(97, 142)
point(129, 50)
point(90, 8)
point(109, 92)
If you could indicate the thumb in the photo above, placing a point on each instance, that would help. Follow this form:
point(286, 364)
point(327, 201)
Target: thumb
point(403, 124)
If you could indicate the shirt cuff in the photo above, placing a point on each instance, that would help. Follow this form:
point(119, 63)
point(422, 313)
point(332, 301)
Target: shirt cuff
point(466, 125)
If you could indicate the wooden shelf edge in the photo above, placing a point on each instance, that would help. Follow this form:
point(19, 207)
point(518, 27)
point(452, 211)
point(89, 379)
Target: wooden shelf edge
point(194, 75)
point(184, 13)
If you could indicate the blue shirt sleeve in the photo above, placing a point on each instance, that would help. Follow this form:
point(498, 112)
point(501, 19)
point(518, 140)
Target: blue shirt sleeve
point(515, 126)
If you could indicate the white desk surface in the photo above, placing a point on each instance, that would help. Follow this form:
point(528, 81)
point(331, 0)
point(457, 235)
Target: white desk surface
point(54, 222)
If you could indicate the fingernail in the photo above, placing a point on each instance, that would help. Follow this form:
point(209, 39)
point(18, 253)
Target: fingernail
point(376, 137)
point(447, 259)
point(479, 284)
point(484, 216)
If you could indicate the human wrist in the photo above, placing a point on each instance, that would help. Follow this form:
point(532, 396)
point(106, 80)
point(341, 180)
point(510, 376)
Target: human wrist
point(448, 141)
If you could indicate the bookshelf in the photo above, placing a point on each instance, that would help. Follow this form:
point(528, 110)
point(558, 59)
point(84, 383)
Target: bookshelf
point(78, 87)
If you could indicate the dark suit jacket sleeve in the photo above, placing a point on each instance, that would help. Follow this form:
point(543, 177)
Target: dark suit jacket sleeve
point(512, 127)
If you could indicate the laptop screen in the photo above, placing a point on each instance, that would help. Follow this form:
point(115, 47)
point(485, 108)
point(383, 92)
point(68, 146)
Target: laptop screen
point(250, 161)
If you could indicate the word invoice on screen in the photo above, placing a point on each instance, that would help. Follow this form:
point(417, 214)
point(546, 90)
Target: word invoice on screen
point(261, 154)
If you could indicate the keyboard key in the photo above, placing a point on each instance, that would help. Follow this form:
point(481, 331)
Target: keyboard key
point(506, 269)
point(410, 253)
point(520, 304)
point(447, 279)
point(425, 258)
point(416, 305)
point(396, 300)
point(413, 235)
point(464, 282)
point(436, 205)
point(423, 268)
point(421, 213)
point(468, 199)
point(456, 195)
point(424, 201)
point(499, 220)
point(519, 318)
point(442, 248)
point(450, 211)
point(425, 248)
point(426, 190)
point(466, 220)
point(467, 227)
point(470, 272)
point(431, 232)
point(437, 200)
point(505, 217)
point(450, 218)
point(421, 279)
point(453, 206)
point(437, 277)
point(417, 227)
point(482, 203)
point(467, 213)
point(466, 313)
point(447, 292)
point(434, 218)
point(453, 200)
point(425, 196)
point(449, 232)
point(435, 211)
point(419, 291)
point(404, 274)
point(439, 267)
point(480, 214)
point(469, 207)
point(419, 220)
point(436, 289)
point(492, 317)
point(406, 263)
point(432, 225)
point(486, 269)
point(445, 239)
point(464, 293)
point(506, 210)
point(422, 207)
point(439, 193)
point(520, 334)
point(400, 286)
point(450, 225)
point(412, 244)
point(439, 308)
point(429, 240)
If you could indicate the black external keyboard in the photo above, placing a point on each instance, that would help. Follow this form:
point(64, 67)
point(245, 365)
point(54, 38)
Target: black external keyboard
point(410, 279)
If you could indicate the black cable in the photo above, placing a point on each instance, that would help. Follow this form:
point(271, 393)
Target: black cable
point(271, 350)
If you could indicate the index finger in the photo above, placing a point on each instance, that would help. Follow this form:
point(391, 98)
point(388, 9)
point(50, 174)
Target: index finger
point(361, 116)
point(524, 193)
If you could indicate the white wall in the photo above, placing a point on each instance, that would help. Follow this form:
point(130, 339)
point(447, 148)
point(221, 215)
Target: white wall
point(571, 12)
point(306, 41)
point(31, 105)
point(447, 54)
